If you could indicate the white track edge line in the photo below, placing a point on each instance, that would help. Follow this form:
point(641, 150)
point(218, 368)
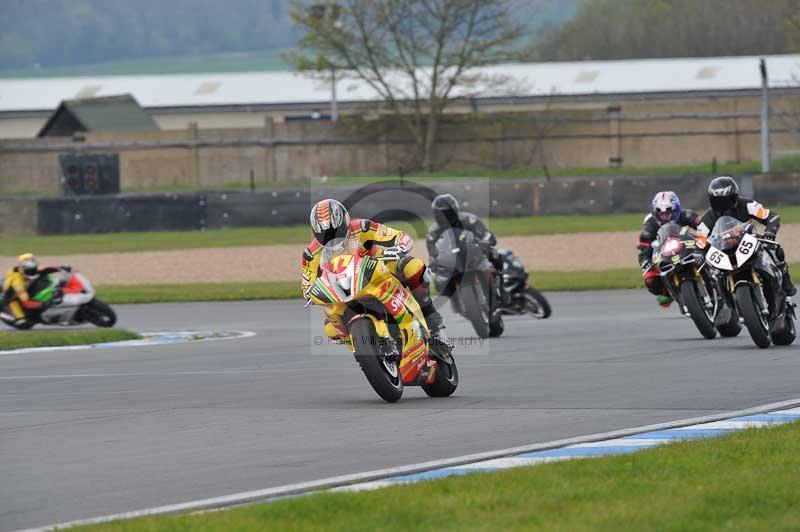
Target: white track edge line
point(130, 343)
point(246, 497)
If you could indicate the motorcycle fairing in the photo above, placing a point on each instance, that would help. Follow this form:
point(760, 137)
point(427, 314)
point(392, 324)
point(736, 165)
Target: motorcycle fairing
point(369, 283)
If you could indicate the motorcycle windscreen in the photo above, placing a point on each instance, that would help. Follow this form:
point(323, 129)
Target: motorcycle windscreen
point(338, 267)
point(668, 231)
point(727, 233)
point(458, 252)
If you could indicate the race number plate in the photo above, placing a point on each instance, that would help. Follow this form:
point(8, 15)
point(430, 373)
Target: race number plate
point(746, 249)
point(718, 259)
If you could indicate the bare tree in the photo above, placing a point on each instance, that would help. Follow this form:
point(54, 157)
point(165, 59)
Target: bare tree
point(417, 55)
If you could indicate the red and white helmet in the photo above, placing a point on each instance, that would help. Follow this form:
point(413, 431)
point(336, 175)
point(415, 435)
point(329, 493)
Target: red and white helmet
point(329, 220)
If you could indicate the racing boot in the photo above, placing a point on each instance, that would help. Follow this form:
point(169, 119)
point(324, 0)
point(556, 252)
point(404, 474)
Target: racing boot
point(664, 301)
point(788, 286)
point(434, 320)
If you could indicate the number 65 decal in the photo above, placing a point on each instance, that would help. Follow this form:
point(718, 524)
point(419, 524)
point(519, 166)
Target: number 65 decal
point(715, 257)
point(746, 249)
point(718, 259)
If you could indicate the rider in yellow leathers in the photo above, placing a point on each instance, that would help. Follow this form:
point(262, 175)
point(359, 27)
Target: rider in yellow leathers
point(330, 220)
point(17, 283)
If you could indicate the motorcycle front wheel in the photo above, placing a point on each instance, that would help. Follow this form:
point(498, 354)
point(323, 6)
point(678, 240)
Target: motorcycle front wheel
point(535, 304)
point(99, 314)
point(382, 373)
point(703, 320)
point(471, 294)
point(754, 318)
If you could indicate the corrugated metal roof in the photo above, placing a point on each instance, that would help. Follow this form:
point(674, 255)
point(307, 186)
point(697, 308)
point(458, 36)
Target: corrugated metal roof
point(531, 79)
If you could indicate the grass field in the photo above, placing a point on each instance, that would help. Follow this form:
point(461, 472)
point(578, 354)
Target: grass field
point(11, 246)
point(122, 294)
point(742, 481)
point(51, 338)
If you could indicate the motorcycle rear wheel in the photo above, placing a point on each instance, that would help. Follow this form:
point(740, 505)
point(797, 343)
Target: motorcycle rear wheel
point(382, 375)
point(732, 327)
point(698, 313)
point(446, 380)
point(788, 335)
point(20, 326)
point(752, 315)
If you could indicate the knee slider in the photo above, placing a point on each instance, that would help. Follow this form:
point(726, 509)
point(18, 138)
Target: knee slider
point(411, 271)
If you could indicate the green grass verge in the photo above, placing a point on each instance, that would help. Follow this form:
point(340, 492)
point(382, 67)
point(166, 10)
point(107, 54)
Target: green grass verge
point(176, 293)
point(11, 246)
point(742, 481)
point(50, 338)
point(572, 281)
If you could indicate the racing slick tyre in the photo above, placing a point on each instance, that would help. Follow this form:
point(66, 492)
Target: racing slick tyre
point(471, 295)
point(754, 319)
point(732, 327)
point(446, 380)
point(535, 304)
point(99, 314)
point(787, 336)
point(20, 325)
point(382, 372)
point(699, 314)
point(496, 326)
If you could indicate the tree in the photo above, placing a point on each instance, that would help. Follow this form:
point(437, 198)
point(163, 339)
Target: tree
point(417, 55)
point(623, 29)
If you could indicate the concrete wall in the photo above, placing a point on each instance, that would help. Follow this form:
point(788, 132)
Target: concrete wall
point(639, 133)
point(18, 216)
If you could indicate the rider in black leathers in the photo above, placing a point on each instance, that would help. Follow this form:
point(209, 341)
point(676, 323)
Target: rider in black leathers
point(724, 199)
point(447, 215)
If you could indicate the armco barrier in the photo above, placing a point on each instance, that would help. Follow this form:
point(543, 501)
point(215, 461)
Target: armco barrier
point(385, 201)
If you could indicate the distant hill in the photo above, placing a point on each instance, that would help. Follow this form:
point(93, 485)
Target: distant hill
point(44, 38)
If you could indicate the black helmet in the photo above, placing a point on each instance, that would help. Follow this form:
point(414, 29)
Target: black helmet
point(445, 209)
point(723, 192)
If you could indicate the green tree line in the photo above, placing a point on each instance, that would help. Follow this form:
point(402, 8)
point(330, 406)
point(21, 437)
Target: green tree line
point(73, 32)
point(622, 29)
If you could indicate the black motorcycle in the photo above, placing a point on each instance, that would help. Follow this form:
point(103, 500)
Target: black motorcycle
point(679, 260)
point(462, 272)
point(523, 298)
point(750, 281)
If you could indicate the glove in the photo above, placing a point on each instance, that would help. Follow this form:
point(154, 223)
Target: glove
point(769, 235)
point(394, 251)
point(646, 266)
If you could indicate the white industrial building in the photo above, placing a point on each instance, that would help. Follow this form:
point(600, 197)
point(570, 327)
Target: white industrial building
point(241, 100)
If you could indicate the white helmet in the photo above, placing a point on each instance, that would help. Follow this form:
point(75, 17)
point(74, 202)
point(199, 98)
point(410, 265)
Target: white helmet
point(329, 220)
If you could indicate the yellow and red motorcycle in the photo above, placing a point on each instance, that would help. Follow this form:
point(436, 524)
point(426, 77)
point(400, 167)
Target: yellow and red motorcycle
point(370, 311)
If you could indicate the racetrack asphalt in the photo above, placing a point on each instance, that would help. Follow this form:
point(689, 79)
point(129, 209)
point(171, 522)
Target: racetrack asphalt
point(95, 432)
